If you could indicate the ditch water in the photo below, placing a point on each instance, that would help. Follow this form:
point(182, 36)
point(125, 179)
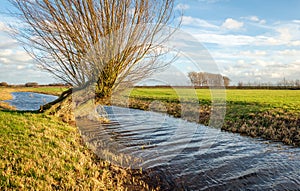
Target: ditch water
point(29, 101)
point(188, 156)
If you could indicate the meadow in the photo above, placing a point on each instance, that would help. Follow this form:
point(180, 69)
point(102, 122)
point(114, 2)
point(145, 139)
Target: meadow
point(288, 100)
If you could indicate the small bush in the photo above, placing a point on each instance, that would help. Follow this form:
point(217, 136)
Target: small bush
point(4, 84)
point(56, 84)
point(31, 84)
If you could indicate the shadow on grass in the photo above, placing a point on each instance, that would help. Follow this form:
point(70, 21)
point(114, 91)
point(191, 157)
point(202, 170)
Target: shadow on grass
point(19, 111)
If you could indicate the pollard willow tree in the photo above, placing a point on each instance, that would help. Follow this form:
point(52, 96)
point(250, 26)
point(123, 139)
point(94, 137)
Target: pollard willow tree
point(108, 43)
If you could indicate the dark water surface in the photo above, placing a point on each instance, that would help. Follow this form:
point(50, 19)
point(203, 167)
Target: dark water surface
point(30, 101)
point(204, 159)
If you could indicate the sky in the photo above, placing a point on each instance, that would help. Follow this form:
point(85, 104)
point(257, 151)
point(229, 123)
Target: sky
point(248, 40)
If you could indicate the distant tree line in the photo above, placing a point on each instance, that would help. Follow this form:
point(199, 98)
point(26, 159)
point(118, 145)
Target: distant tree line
point(282, 84)
point(34, 84)
point(204, 79)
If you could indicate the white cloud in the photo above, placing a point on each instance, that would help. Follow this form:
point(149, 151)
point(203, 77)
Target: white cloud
point(256, 19)
point(254, 53)
point(182, 6)
point(295, 43)
point(16, 66)
point(296, 21)
point(4, 60)
point(262, 22)
point(289, 34)
point(188, 20)
point(253, 66)
point(6, 52)
point(226, 40)
point(232, 24)
point(285, 34)
point(15, 74)
point(262, 71)
point(276, 36)
point(289, 52)
point(6, 42)
point(261, 51)
point(20, 67)
point(261, 65)
point(20, 57)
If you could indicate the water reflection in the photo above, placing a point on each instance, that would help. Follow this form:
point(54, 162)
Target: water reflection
point(30, 101)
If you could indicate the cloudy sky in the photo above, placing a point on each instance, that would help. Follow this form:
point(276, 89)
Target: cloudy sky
point(249, 40)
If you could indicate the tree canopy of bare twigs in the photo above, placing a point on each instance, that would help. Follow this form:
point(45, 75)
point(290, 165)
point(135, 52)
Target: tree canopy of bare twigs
point(208, 79)
point(106, 42)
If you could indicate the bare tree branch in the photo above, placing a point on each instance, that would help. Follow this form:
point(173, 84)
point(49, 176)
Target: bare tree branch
point(108, 42)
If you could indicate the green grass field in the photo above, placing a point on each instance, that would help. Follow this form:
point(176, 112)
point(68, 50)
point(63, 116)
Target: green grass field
point(288, 100)
point(46, 90)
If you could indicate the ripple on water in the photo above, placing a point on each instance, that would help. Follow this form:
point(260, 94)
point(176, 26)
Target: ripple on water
point(29, 101)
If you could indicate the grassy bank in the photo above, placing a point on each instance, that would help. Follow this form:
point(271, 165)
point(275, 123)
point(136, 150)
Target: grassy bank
point(52, 90)
point(42, 153)
point(270, 114)
point(5, 95)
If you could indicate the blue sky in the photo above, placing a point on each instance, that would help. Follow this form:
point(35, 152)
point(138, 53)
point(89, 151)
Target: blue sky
point(249, 40)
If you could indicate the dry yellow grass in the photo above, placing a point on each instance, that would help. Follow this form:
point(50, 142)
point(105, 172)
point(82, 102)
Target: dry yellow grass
point(40, 153)
point(4, 105)
point(5, 93)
